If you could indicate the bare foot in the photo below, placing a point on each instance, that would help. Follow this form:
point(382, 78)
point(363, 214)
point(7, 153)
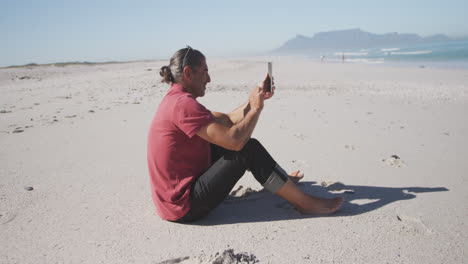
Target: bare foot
point(315, 205)
point(306, 203)
point(296, 176)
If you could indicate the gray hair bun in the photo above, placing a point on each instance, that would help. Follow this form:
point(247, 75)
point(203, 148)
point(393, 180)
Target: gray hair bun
point(166, 75)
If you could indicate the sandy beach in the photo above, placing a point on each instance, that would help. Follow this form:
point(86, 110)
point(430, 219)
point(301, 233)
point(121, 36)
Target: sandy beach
point(391, 140)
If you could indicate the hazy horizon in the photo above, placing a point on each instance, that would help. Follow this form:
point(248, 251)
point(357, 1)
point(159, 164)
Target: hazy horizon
point(64, 31)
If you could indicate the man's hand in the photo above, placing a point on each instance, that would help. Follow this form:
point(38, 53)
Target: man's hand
point(267, 94)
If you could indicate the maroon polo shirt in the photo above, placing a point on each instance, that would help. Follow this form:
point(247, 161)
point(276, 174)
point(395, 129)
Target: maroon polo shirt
point(176, 155)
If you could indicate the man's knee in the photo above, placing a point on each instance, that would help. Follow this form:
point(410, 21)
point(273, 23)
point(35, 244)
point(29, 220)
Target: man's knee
point(252, 144)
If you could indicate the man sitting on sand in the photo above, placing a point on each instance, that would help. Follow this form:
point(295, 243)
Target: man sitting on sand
point(195, 156)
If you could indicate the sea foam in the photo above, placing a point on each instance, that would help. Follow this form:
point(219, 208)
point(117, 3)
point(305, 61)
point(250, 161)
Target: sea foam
point(389, 49)
point(351, 53)
point(418, 52)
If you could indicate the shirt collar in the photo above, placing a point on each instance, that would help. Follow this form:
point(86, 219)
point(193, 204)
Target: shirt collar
point(178, 88)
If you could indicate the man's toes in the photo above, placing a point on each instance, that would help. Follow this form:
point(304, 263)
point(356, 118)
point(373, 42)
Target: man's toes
point(294, 174)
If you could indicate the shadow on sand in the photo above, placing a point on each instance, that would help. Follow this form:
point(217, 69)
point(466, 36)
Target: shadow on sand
point(262, 206)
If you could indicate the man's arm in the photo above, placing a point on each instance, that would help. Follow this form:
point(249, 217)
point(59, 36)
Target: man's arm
point(222, 118)
point(234, 117)
point(239, 113)
point(230, 135)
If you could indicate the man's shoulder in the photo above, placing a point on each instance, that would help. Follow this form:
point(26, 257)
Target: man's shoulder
point(179, 96)
point(186, 100)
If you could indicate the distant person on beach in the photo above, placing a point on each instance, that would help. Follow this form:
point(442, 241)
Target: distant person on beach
point(342, 57)
point(195, 156)
point(322, 58)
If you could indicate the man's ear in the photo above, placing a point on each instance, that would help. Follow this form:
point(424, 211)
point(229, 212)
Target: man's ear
point(187, 73)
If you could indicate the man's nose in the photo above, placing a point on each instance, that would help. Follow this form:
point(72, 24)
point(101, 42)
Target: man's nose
point(209, 79)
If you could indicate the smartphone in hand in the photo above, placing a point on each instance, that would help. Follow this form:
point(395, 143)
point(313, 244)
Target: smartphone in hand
point(270, 75)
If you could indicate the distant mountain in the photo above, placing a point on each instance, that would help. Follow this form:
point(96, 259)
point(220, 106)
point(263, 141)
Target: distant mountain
point(352, 39)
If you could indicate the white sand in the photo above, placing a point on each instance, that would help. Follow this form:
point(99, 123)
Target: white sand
point(91, 200)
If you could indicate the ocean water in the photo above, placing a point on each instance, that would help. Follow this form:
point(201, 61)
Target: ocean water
point(451, 54)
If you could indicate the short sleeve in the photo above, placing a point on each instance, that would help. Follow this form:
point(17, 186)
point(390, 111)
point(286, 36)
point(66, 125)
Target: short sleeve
point(190, 116)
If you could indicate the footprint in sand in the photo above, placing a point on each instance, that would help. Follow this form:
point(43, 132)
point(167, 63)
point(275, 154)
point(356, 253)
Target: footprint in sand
point(241, 191)
point(298, 135)
point(328, 183)
point(300, 163)
point(175, 260)
point(413, 225)
point(395, 161)
point(242, 194)
point(351, 147)
point(229, 257)
point(6, 217)
point(336, 187)
point(226, 257)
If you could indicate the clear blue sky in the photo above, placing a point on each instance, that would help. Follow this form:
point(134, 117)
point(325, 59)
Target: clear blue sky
point(97, 30)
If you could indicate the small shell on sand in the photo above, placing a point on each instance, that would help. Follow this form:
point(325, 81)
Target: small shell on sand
point(394, 160)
